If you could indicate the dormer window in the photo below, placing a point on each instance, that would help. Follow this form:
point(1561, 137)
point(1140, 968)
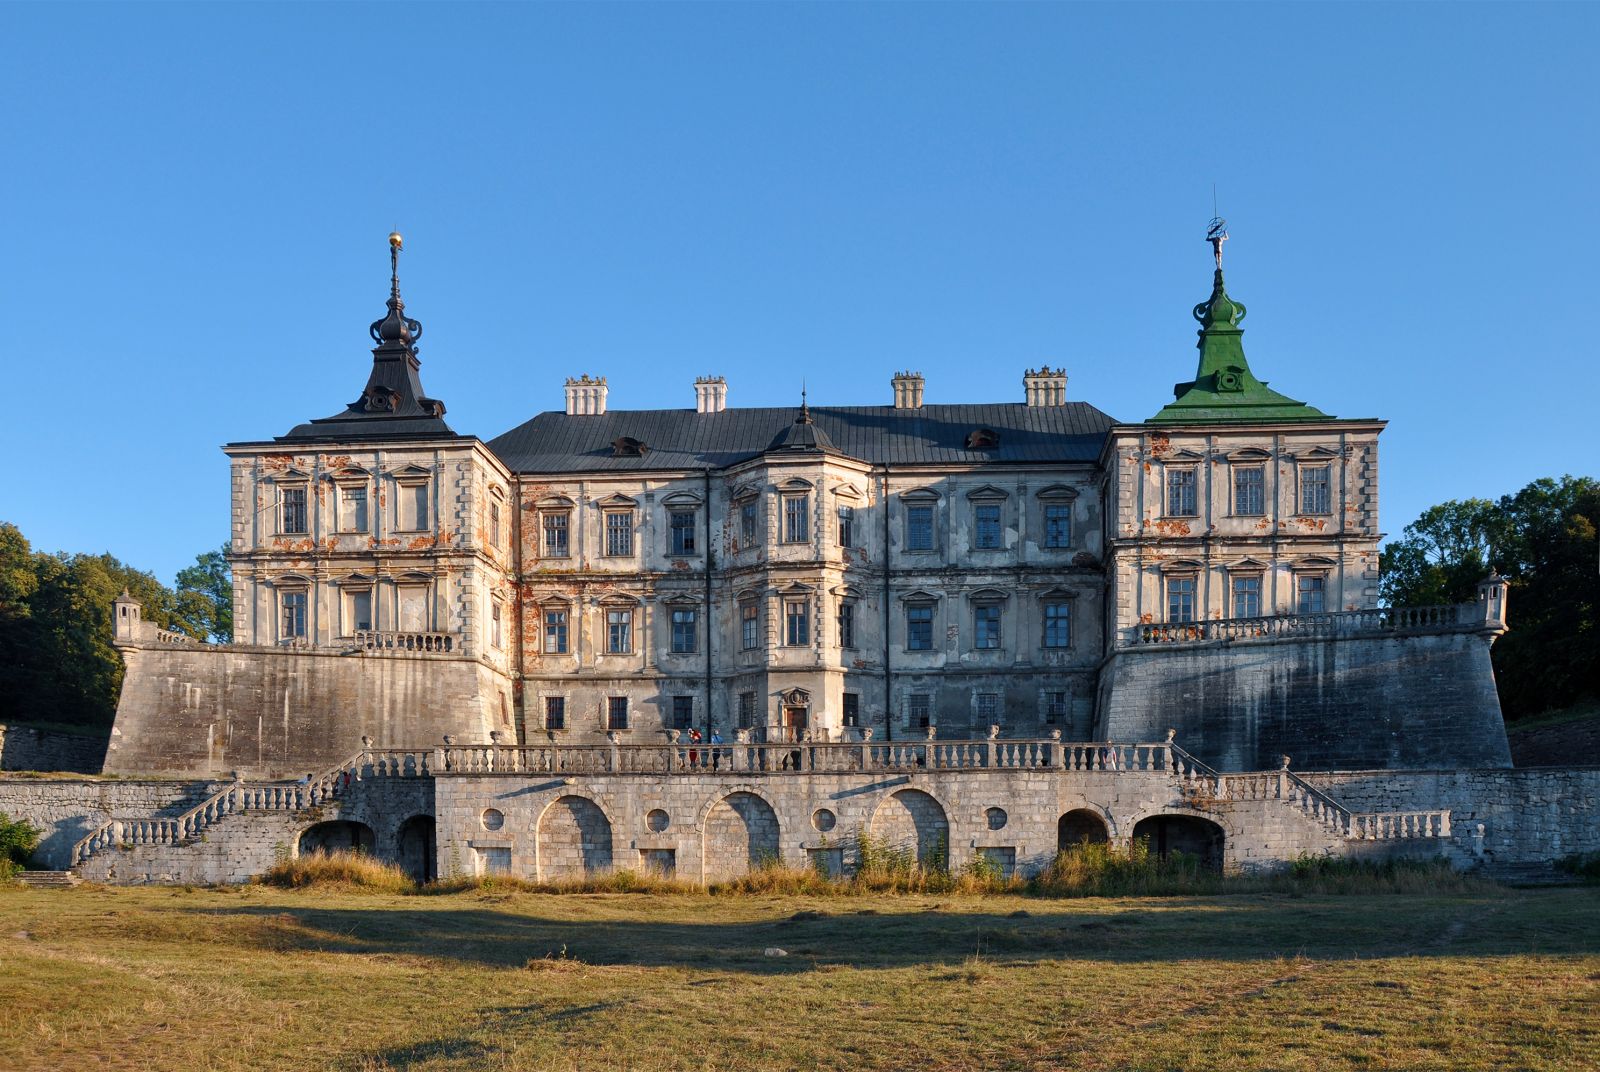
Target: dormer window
point(628, 447)
point(983, 439)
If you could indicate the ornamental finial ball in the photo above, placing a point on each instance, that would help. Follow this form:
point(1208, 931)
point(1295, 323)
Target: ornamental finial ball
point(395, 240)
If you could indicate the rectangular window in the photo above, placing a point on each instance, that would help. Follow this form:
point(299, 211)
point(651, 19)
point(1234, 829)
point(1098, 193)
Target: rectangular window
point(852, 709)
point(1312, 594)
point(847, 526)
point(1246, 593)
point(747, 520)
point(1057, 624)
point(555, 631)
point(683, 532)
point(619, 632)
point(847, 624)
point(555, 712)
point(747, 710)
point(682, 712)
point(293, 616)
point(919, 709)
point(555, 535)
point(919, 627)
point(1249, 490)
point(1055, 707)
point(796, 622)
point(986, 626)
point(619, 533)
point(292, 518)
point(1181, 492)
point(684, 630)
point(496, 627)
point(988, 708)
point(1057, 525)
point(749, 626)
point(353, 509)
point(986, 536)
point(358, 610)
point(1180, 599)
point(412, 509)
point(1316, 490)
point(616, 712)
point(919, 528)
point(494, 523)
point(796, 518)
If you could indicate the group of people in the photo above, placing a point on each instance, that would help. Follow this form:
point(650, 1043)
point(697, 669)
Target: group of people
point(714, 752)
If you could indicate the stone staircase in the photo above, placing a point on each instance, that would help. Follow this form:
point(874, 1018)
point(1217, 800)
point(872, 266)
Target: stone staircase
point(48, 880)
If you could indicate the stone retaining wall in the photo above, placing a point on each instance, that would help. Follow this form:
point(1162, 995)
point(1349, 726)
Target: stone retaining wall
point(30, 748)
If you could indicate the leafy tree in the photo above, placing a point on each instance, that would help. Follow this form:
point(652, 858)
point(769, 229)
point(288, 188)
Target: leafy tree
point(205, 597)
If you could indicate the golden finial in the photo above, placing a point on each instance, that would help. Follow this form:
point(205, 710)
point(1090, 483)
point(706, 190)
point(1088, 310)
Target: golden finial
point(395, 240)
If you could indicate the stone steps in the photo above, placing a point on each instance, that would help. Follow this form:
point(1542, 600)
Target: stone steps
point(48, 880)
point(1531, 874)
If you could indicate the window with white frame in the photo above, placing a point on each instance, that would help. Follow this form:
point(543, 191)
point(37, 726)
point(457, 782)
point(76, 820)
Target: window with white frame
point(411, 504)
point(619, 631)
point(292, 614)
point(1316, 489)
point(1181, 597)
point(682, 527)
point(986, 626)
point(986, 526)
point(1244, 595)
point(1249, 490)
point(749, 626)
point(555, 525)
point(796, 518)
point(749, 519)
point(619, 533)
point(685, 630)
point(1311, 593)
point(497, 633)
point(919, 527)
point(1057, 525)
point(555, 712)
point(556, 637)
point(847, 526)
point(796, 622)
point(616, 712)
point(292, 511)
point(352, 514)
point(847, 623)
point(1057, 623)
point(494, 523)
point(1181, 486)
point(357, 609)
point(919, 627)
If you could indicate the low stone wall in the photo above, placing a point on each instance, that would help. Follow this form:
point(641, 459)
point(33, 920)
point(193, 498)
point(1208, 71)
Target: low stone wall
point(67, 809)
point(1423, 702)
point(30, 748)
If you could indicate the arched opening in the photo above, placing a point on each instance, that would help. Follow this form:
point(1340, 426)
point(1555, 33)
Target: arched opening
point(1080, 826)
point(911, 821)
point(741, 835)
point(339, 835)
point(1187, 834)
point(574, 839)
point(415, 845)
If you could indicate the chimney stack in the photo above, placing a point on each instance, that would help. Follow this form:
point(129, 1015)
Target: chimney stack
point(585, 396)
point(907, 390)
point(1045, 386)
point(710, 394)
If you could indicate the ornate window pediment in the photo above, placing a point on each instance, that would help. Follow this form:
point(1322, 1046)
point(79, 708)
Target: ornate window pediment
point(682, 500)
point(745, 492)
point(1058, 593)
point(350, 474)
point(616, 501)
point(1249, 456)
point(1182, 565)
point(1057, 493)
point(410, 474)
point(1184, 457)
point(919, 596)
point(795, 697)
point(413, 578)
point(988, 493)
point(846, 491)
point(1315, 562)
point(796, 484)
point(554, 502)
point(619, 600)
point(989, 595)
point(796, 588)
point(1315, 454)
point(847, 591)
point(290, 475)
point(919, 495)
point(290, 580)
point(355, 580)
point(1246, 565)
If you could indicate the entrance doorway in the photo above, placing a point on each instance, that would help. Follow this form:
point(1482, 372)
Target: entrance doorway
point(795, 720)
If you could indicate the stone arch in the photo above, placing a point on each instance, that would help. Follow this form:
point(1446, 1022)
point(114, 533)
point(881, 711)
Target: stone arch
point(911, 820)
point(739, 833)
point(1193, 835)
point(414, 848)
point(573, 839)
point(335, 835)
point(1081, 826)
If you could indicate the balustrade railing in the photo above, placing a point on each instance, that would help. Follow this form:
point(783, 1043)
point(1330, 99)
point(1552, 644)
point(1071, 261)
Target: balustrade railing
point(376, 640)
point(1337, 623)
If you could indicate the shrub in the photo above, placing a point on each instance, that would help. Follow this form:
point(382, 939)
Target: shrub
point(1585, 865)
point(18, 839)
point(1105, 870)
point(338, 869)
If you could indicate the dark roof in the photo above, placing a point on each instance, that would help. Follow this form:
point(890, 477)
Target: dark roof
point(685, 439)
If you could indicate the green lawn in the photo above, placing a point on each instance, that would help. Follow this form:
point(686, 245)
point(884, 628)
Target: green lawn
point(260, 979)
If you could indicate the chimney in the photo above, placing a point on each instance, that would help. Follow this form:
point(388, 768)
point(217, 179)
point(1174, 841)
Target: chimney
point(586, 396)
point(907, 390)
point(1045, 387)
point(710, 394)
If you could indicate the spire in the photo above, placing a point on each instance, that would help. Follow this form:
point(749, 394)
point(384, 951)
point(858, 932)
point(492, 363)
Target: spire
point(1224, 388)
point(396, 330)
point(804, 434)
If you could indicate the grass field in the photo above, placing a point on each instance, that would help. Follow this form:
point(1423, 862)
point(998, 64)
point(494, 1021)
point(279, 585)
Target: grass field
point(259, 978)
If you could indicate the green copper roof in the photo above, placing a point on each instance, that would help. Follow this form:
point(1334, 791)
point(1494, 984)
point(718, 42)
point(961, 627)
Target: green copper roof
point(1224, 388)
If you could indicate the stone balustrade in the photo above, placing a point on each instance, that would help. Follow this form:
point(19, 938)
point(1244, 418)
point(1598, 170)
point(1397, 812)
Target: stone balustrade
point(376, 640)
point(1379, 620)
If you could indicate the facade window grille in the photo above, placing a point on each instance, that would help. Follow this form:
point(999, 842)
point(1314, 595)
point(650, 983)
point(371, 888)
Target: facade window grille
point(555, 535)
point(619, 632)
point(555, 712)
point(847, 624)
point(293, 616)
point(1246, 596)
point(1311, 593)
point(747, 710)
point(919, 710)
point(292, 519)
point(749, 514)
point(412, 508)
point(986, 626)
point(353, 509)
point(1057, 525)
point(685, 628)
point(986, 536)
point(497, 636)
point(796, 518)
point(1180, 599)
point(988, 708)
point(682, 532)
point(1181, 501)
point(919, 627)
point(852, 709)
point(555, 631)
point(358, 609)
point(749, 626)
point(616, 712)
point(919, 528)
point(1057, 624)
point(1055, 707)
point(682, 712)
point(796, 622)
point(1250, 490)
point(619, 533)
point(1316, 490)
point(847, 526)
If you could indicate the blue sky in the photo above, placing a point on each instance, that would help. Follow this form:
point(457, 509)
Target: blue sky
point(196, 198)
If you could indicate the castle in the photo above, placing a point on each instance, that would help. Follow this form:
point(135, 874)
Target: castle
point(1003, 626)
